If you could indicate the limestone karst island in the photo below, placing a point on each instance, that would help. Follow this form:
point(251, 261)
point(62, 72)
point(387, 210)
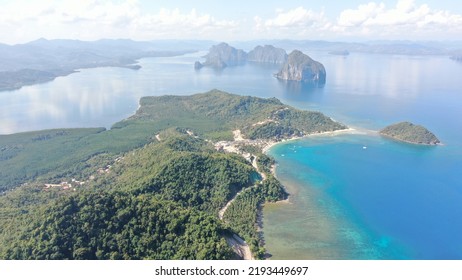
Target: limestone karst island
point(296, 66)
point(300, 67)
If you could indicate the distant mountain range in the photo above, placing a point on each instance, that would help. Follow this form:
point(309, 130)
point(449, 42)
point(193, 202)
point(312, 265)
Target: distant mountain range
point(382, 47)
point(43, 60)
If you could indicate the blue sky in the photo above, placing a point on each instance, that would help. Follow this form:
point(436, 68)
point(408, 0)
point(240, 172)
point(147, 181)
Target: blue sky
point(355, 20)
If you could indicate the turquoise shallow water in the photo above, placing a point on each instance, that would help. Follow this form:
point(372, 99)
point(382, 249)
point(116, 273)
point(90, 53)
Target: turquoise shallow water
point(380, 199)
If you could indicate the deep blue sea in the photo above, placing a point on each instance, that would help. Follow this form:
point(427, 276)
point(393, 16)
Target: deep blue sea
point(353, 196)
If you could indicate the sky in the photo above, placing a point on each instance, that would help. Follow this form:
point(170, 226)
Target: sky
point(22, 21)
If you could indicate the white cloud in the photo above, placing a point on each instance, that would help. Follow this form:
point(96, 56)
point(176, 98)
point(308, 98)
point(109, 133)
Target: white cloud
point(372, 20)
point(350, 17)
point(93, 19)
point(175, 20)
point(173, 24)
point(405, 19)
point(295, 22)
point(296, 17)
point(25, 20)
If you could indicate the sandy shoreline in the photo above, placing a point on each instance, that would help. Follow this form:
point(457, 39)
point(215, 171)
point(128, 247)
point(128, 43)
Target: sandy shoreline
point(266, 145)
point(271, 144)
point(350, 130)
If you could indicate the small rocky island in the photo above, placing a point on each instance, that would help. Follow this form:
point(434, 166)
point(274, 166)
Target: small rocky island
point(410, 133)
point(224, 55)
point(221, 56)
point(300, 67)
point(267, 54)
point(297, 66)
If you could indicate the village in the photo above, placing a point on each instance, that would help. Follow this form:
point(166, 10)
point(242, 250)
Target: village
point(74, 183)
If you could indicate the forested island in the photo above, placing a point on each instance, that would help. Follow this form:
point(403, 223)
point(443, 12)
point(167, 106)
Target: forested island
point(411, 133)
point(183, 178)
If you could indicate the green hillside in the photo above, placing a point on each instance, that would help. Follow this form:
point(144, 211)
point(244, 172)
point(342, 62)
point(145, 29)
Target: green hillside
point(151, 187)
point(411, 133)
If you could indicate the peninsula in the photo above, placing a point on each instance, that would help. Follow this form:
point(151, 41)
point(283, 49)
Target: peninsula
point(410, 133)
point(43, 60)
point(183, 178)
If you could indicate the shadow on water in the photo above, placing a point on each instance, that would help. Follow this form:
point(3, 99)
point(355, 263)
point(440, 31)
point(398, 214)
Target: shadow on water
point(217, 71)
point(301, 91)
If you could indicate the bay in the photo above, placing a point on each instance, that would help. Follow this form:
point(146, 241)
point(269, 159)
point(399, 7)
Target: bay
point(389, 200)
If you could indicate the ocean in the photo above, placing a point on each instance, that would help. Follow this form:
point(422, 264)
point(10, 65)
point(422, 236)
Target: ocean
point(353, 196)
point(361, 196)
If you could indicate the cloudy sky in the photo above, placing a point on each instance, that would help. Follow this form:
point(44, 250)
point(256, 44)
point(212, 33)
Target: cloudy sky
point(351, 20)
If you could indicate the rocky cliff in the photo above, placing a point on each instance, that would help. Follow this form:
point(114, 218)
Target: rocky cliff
point(300, 67)
point(267, 54)
point(223, 55)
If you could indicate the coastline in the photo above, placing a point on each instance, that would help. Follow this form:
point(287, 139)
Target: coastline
point(265, 145)
point(287, 201)
point(349, 130)
point(410, 142)
point(321, 229)
point(271, 144)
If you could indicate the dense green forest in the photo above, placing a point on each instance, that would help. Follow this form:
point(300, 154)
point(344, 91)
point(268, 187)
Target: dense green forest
point(216, 112)
point(104, 218)
point(100, 225)
point(150, 187)
point(411, 133)
point(242, 215)
point(54, 154)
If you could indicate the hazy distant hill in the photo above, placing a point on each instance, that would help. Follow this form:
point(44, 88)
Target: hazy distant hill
point(43, 60)
point(384, 47)
point(223, 55)
point(457, 55)
point(267, 54)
